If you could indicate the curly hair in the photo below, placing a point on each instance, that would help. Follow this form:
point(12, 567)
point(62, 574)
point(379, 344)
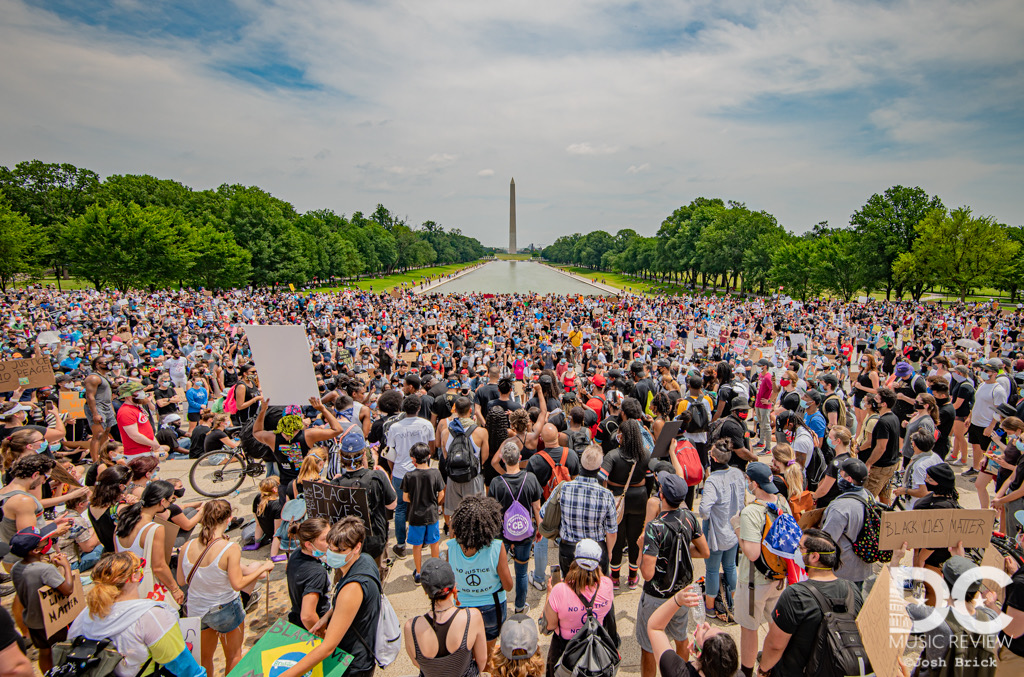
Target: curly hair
point(534, 666)
point(518, 420)
point(476, 522)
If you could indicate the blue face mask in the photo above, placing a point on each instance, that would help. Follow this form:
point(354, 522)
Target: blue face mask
point(1020, 445)
point(43, 446)
point(845, 485)
point(335, 560)
point(319, 554)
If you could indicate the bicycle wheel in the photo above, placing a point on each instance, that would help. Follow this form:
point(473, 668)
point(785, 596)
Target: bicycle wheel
point(217, 473)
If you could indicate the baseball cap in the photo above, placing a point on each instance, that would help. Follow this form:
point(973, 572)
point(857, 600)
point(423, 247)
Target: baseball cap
point(637, 367)
point(993, 365)
point(739, 403)
point(29, 538)
point(437, 577)
point(353, 442)
point(664, 363)
point(519, 637)
point(673, 487)
point(588, 554)
point(903, 369)
point(598, 380)
point(856, 469)
point(761, 474)
point(955, 567)
point(813, 396)
point(128, 389)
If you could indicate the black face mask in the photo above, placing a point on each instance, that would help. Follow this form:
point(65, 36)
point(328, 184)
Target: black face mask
point(715, 465)
point(180, 493)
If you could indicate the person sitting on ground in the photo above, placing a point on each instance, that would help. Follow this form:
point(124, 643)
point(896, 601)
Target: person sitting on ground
point(33, 574)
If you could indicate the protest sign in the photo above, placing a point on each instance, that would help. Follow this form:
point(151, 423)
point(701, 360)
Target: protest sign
point(739, 345)
point(797, 340)
point(430, 322)
point(408, 357)
point(332, 502)
point(59, 610)
point(170, 533)
point(282, 646)
point(281, 354)
point(884, 625)
point(32, 372)
point(666, 439)
point(936, 528)
point(689, 350)
point(191, 631)
point(993, 558)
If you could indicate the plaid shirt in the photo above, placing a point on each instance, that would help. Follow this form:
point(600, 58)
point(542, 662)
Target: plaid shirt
point(588, 511)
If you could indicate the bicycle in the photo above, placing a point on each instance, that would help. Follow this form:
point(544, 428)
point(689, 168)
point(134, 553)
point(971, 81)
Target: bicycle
point(895, 482)
point(220, 472)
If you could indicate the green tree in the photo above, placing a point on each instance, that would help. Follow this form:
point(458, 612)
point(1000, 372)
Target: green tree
point(888, 224)
point(1011, 277)
point(259, 223)
point(130, 246)
point(144, 190)
point(959, 251)
point(840, 263)
point(218, 261)
point(794, 267)
point(23, 246)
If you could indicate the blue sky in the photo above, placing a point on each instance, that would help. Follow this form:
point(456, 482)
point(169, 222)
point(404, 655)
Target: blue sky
point(609, 114)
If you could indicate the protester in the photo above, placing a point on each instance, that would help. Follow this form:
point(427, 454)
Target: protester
point(519, 652)
point(624, 471)
point(588, 511)
point(715, 652)
point(423, 490)
point(308, 583)
point(32, 574)
point(723, 499)
point(138, 533)
point(518, 487)
point(401, 436)
point(844, 518)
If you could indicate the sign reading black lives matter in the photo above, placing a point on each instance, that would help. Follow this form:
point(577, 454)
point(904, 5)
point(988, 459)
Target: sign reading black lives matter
point(332, 502)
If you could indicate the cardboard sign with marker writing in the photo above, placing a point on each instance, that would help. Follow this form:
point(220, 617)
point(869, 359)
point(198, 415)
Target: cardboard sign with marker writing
point(884, 625)
point(936, 528)
point(59, 610)
point(32, 372)
point(332, 502)
point(191, 631)
point(72, 403)
point(408, 357)
point(170, 533)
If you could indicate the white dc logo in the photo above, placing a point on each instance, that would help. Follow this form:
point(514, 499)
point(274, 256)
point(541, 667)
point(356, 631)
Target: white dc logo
point(942, 596)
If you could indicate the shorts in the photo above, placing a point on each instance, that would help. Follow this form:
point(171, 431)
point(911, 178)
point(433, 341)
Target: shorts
point(765, 597)
point(193, 417)
point(976, 435)
point(454, 492)
point(41, 641)
point(225, 617)
point(423, 534)
point(492, 623)
point(109, 417)
point(676, 629)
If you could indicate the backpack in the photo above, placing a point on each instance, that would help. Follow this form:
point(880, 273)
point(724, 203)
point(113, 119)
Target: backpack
point(462, 462)
point(838, 649)
point(770, 565)
point(715, 431)
point(578, 439)
point(689, 461)
point(559, 473)
point(81, 657)
point(844, 418)
point(516, 524)
point(230, 405)
point(377, 533)
point(388, 635)
point(673, 568)
point(647, 439)
point(699, 419)
point(968, 653)
point(591, 652)
point(866, 544)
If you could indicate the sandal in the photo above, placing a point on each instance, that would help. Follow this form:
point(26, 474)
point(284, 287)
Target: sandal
point(278, 558)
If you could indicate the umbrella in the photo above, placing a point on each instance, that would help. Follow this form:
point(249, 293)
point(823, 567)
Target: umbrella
point(48, 337)
point(969, 344)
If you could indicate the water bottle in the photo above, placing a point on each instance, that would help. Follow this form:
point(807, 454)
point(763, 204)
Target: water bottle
point(699, 615)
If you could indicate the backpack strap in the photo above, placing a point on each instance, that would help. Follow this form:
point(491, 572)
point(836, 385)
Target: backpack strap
point(199, 561)
point(826, 604)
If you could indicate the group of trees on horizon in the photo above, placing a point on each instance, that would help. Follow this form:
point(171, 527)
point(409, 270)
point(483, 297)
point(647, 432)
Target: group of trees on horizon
point(138, 231)
point(900, 241)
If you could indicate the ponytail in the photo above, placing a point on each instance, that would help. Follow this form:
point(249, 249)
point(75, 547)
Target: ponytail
point(215, 513)
point(268, 492)
point(128, 518)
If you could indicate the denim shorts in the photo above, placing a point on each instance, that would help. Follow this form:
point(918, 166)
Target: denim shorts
point(492, 622)
point(224, 618)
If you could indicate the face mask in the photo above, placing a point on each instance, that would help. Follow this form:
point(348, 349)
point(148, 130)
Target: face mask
point(784, 383)
point(319, 554)
point(845, 485)
point(335, 560)
point(1020, 445)
point(742, 414)
point(139, 396)
point(43, 446)
point(180, 493)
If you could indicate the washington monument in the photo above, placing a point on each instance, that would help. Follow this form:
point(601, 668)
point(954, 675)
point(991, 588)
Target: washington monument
point(512, 217)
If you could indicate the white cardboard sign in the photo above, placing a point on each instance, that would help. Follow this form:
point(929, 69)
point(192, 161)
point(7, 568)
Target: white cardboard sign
point(281, 354)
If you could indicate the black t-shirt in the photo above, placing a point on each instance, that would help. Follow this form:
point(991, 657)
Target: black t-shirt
point(212, 440)
point(964, 391)
point(737, 434)
point(271, 512)
point(947, 416)
point(423, 485)
point(606, 431)
point(104, 527)
point(831, 406)
point(1014, 599)
point(443, 403)
point(507, 405)
point(170, 407)
point(8, 633)
point(833, 472)
point(797, 613)
point(887, 428)
point(376, 430)
point(426, 403)
point(933, 502)
point(306, 576)
point(523, 485)
point(541, 469)
point(198, 438)
point(912, 387)
point(672, 665)
point(616, 468)
point(485, 394)
point(725, 395)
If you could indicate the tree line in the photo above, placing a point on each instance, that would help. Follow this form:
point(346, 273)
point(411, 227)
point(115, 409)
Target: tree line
point(901, 241)
point(138, 231)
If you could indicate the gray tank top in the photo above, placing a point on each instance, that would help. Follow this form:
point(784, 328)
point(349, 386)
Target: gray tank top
point(8, 527)
point(103, 395)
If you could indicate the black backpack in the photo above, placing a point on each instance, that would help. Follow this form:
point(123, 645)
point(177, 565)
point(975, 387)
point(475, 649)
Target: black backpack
point(578, 440)
point(838, 650)
point(591, 652)
point(699, 419)
point(673, 568)
point(462, 462)
point(377, 537)
point(81, 657)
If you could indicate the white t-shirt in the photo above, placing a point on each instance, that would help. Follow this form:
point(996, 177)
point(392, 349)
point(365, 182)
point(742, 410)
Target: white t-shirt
point(916, 472)
point(987, 397)
point(402, 435)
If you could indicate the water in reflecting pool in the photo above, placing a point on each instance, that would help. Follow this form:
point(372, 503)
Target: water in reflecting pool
point(510, 277)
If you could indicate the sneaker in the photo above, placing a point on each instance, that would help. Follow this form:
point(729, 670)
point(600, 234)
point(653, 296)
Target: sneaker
point(251, 546)
point(235, 523)
point(525, 609)
point(416, 576)
point(616, 584)
point(957, 463)
point(399, 551)
point(277, 559)
point(538, 585)
point(633, 582)
point(254, 599)
point(970, 472)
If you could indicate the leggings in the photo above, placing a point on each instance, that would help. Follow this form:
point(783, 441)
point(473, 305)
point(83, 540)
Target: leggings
point(629, 532)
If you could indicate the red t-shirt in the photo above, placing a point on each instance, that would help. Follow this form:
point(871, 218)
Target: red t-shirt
point(126, 416)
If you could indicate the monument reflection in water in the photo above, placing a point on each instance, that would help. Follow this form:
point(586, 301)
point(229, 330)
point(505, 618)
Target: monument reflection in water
point(517, 277)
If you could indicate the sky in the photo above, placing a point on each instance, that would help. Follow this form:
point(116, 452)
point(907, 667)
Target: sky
point(608, 114)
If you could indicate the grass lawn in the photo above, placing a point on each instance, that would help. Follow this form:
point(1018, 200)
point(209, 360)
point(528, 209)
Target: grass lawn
point(514, 257)
point(385, 283)
point(72, 283)
point(635, 285)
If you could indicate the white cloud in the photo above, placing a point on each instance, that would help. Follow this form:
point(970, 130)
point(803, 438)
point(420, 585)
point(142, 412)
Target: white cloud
point(802, 109)
point(587, 148)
